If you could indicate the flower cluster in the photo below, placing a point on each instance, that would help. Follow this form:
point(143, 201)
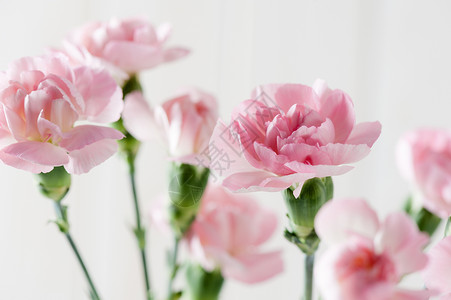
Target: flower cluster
point(54, 115)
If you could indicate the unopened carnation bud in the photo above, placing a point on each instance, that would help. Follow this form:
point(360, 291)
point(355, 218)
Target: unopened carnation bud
point(203, 284)
point(54, 184)
point(303, 209)
point(186, 188)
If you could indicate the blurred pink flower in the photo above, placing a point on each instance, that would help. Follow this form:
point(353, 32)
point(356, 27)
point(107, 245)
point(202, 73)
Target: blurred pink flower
point(366, 258)
point(289, 133)
point(228, 232)
point(42, 99)
point(186, 123)
point(128, 45)
point(424, 158)
point(438, 271)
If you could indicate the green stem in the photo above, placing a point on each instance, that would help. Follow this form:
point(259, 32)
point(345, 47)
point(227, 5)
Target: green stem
point(140, 232)
point(62, 218)
point(174, 269)
point(308, 282)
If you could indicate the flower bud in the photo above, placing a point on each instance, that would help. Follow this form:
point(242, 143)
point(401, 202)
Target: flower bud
point(302, 210)
point(186, 188)
point(54, 184)
point(202, 284)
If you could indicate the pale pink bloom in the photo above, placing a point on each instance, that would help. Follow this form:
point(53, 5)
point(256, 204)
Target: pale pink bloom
point(128, 45)
point(424, 158)
point(42, 100)
point(228, 233)
point(438, 271)
point(367, 258)
point(288, 133)
point(186, 123)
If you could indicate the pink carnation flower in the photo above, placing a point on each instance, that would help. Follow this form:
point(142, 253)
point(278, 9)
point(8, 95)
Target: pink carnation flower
point(288, 133)
point(424, 158)
point(42, 99)
point(129, 45)
point(184, 122)
point(228, 233)
point(366, 259)
point(438, 271)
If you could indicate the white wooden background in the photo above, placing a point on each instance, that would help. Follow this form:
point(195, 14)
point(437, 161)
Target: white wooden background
point(392, 56)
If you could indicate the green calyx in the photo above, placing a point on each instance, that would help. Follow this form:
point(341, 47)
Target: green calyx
point(54, 184)
point(302, 211)
point(202, 284)
point(186, 187)
point(426, 221)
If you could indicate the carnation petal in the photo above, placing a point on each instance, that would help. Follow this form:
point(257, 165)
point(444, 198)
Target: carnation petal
point(338, 107)
point(34, 152)
point(365, 133)
point(84, 159)
point(401, 238)
point(339, 219)
point(255, 267)
point(138, 117)
point(84, 135)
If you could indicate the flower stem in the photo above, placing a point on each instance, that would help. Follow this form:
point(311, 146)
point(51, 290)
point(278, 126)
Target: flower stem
point(308, 282)
point(174, 267)
point(140, 232)
point(63, 224)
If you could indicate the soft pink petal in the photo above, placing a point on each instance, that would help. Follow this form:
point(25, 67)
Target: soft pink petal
point(102, 95)
point(339, 108)
point(365, 133)
point(15, 123)
point(402, 294)
point(138, 117)
point(345, 154)
point(263, 181)
point(144, 56)
point(341, 218)
point(285, 96)
point(318, 170)
point(83, 135)
point(400, 237)
point(321, 88)
point(84, 159)
point(255, 267)
point(34, 156)
point(17, 162)
point(437, 274)
point(175, 53)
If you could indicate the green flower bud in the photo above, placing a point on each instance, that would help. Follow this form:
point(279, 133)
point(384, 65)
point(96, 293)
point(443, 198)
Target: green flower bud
point(303, 209)
point(54, 184)
point(203, 285)
point(186, 187)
